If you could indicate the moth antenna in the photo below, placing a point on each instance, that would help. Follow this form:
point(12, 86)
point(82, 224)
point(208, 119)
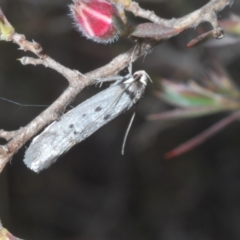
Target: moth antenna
point(134, 49)
point(130, 69)
point(149, 77)
point(127, 132)
point(131, 61)
point(22, 105)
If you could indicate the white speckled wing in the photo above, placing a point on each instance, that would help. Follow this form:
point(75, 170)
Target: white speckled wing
point(80, 122)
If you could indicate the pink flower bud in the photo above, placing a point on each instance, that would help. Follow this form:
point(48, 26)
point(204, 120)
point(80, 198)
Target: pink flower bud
point(97, 20)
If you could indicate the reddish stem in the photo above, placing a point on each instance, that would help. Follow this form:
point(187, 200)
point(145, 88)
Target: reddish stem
point(202, 137)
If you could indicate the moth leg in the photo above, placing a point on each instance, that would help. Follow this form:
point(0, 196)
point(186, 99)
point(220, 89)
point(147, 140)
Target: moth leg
point(115, 79)
point(81, 74)
point(130, 69)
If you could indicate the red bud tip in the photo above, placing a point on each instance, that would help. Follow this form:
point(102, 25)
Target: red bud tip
point(97, 20)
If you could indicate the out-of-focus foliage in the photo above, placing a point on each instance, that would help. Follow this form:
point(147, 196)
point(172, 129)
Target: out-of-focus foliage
point(215, 92)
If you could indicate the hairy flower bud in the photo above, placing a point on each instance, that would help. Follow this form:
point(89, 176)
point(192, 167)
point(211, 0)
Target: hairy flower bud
point(97, 20)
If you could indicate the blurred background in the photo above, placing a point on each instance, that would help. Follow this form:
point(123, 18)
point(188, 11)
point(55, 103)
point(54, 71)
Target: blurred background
point(93, 192)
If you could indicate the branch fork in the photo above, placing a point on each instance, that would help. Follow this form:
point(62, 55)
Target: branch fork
point(77, 81)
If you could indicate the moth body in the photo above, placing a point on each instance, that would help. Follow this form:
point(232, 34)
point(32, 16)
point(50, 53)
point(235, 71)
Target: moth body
point(83, 120)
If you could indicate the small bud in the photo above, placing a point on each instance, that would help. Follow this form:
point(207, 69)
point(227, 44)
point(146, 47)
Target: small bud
point(6, 29)
point(6, 235)
point(97, 20)
point(231, 25)
point(154, 31)
point(125, 3)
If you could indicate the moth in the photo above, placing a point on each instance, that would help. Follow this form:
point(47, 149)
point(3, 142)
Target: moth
point(83, 120)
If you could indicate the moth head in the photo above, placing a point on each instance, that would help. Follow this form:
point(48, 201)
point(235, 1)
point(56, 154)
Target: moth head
point(142, 77)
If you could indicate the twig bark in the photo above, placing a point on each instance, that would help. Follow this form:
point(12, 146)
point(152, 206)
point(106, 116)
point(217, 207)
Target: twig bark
point(78, 81)
point(205, 14)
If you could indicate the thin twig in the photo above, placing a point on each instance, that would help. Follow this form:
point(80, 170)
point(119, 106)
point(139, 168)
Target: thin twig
point(202, 137)
point(205, 14)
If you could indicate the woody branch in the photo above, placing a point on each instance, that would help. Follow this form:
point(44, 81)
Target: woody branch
point(77, 82)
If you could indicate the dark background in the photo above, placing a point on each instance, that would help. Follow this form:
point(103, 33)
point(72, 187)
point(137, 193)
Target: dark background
point(92, 192)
